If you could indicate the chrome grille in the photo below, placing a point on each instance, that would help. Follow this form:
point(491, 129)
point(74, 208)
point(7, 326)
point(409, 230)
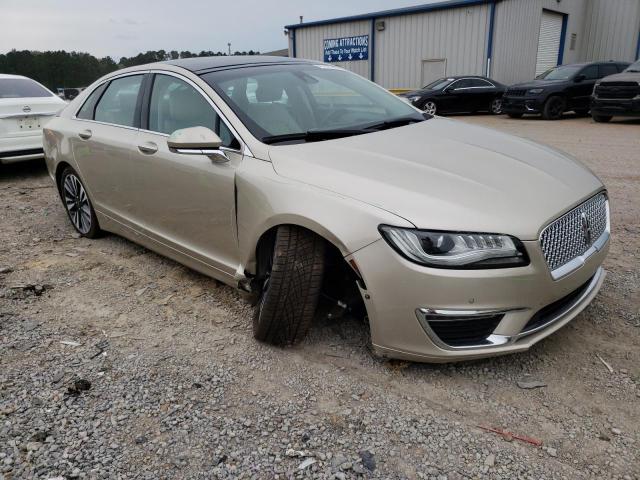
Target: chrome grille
point(575, 232)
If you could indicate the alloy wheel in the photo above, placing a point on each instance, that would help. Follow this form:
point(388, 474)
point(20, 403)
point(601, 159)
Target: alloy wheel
point(496, 106)
point(430, 107)
point(77, 203)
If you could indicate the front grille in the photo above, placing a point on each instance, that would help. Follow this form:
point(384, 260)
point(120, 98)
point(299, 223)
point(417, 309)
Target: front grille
point(464, 331)
point(516, 93)
point(575, 232)
point(622, 90)
point(549, 313)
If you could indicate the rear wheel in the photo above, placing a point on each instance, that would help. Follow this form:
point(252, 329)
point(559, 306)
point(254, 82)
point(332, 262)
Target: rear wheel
point(495, 107)
point(602, 118)
point(514, 115)
point(554, 107)
point(77, 204)
point(430, 107)
point(291, 284)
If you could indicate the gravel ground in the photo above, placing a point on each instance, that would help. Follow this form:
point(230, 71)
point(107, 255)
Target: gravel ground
point(118, 363)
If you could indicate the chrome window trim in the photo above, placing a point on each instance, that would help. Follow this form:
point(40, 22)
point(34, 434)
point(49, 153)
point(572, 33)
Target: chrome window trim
point(490, 85)
point(244, 148)
point(115, 77)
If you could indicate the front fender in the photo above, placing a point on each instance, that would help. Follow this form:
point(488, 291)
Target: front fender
point(265, 200)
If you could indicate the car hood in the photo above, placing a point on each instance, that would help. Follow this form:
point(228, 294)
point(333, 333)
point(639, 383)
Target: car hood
point(538, 83)
point(623, 77)
point(446, 175)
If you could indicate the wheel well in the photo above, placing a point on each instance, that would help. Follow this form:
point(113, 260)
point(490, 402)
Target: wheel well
point(340, 292)
point(59, 169)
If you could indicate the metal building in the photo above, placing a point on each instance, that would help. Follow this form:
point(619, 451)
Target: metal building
point(509, 40)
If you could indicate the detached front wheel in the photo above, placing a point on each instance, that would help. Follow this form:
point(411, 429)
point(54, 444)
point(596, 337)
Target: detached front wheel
point(291, 285)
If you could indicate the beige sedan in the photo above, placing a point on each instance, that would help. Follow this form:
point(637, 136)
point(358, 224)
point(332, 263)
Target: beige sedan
point(302, 183)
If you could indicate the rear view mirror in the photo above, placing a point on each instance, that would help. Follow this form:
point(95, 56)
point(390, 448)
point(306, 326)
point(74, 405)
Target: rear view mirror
point(197, 141)
point(579, 78)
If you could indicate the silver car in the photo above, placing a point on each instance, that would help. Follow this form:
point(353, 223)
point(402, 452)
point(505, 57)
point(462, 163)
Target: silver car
point(297, 181)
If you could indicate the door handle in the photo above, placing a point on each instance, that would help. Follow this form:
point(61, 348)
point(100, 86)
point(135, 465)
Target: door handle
point(148, 148)
point(85, 134)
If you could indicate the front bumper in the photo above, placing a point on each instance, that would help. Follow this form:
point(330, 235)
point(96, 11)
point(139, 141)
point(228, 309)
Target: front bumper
point(518, 295)
point(532, 105)
point(613, 107)
point(20, 148)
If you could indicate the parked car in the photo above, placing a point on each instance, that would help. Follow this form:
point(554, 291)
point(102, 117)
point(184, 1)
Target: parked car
point(465, 94)
point(25, 107)
point(459, 242)
point(617, 94)
point(558, 90)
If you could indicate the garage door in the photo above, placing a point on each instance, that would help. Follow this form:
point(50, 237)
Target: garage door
point(549, 41)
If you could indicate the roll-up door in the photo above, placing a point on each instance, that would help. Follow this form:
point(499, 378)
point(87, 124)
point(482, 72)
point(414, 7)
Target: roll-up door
point(549, 41)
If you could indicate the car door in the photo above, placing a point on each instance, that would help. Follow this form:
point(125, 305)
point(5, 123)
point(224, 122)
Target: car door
point(185, 201)
point(481, 93)
point(581, 91)
point(104, 131)
point(454, 97)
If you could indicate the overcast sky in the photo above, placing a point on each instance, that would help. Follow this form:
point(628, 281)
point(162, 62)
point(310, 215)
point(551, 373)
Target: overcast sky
point(125, 27)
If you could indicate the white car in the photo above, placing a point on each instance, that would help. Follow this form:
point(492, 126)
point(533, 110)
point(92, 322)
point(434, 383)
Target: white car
point(25, 107)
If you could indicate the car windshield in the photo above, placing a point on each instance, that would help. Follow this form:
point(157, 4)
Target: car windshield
point(561, 73)
point(438, 84)
point(634, 67)
point(306, 102)
point(21, 88)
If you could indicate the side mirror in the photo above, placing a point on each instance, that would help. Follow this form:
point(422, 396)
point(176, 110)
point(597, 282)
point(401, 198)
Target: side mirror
point(579, 78)
point(197, 141)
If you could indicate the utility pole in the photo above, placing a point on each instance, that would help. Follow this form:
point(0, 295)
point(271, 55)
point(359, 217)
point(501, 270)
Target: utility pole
point(229, 45)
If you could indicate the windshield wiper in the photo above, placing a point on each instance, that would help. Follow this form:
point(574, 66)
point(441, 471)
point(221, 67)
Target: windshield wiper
point(397, 122)
point(314, 135)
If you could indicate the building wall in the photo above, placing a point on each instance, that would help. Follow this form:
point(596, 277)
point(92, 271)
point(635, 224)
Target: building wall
point(310, 42)
point(516, 32)
point(458, 35)
point(611, 30)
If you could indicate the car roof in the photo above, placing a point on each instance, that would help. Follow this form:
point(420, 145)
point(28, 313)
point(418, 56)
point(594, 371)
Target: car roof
point(584, 64)
point(203, 64)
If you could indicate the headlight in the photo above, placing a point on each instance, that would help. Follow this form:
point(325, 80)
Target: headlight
point(536, 91)
point(414, 99)
point(456, 249)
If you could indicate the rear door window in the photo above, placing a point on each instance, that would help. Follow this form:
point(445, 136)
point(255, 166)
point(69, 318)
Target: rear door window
point(86, 112)
point(118, 103)
point(591, 72)
point(22, 88)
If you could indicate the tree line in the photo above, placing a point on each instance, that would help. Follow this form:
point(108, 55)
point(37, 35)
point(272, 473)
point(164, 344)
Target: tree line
point(77, 69)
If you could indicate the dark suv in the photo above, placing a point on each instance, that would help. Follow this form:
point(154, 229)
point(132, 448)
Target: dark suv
point(617, 94)
point(558, 90)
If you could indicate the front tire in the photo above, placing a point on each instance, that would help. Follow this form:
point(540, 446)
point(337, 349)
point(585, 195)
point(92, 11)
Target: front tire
point(554, 107)
point(430, 107)
point(602, 118)
point(77, 204)
point(291, 287)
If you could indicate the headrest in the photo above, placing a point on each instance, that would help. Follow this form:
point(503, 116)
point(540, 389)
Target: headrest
point(268, 92)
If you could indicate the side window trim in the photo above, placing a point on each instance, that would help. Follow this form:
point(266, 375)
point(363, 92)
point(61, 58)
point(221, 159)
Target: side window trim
point(100, 89)
point(106, 85)
point(146, 105)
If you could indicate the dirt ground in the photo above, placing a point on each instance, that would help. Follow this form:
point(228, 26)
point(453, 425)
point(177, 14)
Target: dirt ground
point(180, 389)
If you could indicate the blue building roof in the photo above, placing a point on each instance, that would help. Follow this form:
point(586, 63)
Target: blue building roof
point(428, 7)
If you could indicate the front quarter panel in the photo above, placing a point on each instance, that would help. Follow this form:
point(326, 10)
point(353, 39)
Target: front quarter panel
point(266, 199)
